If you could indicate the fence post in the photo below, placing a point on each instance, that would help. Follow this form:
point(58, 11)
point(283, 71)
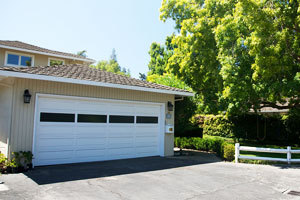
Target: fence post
point(237, 152)
point(289, 154)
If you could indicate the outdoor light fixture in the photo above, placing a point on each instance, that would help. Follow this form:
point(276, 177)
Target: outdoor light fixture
point(27, 96)
point(170, 106)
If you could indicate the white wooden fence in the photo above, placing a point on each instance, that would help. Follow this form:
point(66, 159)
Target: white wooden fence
point(288, 151)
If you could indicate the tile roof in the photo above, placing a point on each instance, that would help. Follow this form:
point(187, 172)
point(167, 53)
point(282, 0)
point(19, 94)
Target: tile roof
point(84, 72)
point(22, 45)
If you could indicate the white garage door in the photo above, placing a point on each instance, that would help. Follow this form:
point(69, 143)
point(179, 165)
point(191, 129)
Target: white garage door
point(70, 130)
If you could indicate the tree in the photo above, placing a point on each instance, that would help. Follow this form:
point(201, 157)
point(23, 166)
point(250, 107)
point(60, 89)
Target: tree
point(142, 76)
point(82, 53)
point(112, 65)
point(113, 55)
point(159, 55)
point(237, 55)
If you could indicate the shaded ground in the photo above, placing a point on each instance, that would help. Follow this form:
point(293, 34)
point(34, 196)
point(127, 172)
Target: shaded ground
point(194, 176)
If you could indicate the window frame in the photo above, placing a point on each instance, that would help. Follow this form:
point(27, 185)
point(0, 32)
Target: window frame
point(120, 115)
point(55, 59)
point(138, 116)
point(57, 113)
point(19, 61)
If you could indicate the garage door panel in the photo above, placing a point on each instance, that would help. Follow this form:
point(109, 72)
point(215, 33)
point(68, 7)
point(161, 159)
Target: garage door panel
point(51, 142)
point(53, 103)
point(148, 139)
point(91, 153)
point(57, 148)
point(92, 136)
point(120, 145)
point(56, 155)
point(150, 149)
point(91, 132)
point(121, 109)
point(121, 151)
point(54, 129)
point(88, 107)
point(91, 141)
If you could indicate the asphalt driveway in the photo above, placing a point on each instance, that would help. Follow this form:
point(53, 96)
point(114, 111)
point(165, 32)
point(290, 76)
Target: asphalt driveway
point(202, 176)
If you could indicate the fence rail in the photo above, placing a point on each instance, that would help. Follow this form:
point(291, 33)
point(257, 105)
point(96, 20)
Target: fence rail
point(288, 151)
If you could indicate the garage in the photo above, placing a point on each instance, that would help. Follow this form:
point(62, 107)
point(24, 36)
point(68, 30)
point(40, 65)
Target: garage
point(76, 129)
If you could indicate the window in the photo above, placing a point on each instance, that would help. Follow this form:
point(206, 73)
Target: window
point(121, 119)
point(146, 120)
point(15, 59)
point(57, 117)
point(84, 118)
point(55, 61)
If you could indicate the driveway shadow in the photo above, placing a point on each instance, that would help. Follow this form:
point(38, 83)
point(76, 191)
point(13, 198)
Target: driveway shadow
point(81, 171)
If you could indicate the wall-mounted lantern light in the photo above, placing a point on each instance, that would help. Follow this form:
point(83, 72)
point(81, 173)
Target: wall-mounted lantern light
point(27, 96)
point(170, 106)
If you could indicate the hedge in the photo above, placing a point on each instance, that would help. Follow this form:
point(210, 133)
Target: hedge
point(274, 129)
point(205, 144)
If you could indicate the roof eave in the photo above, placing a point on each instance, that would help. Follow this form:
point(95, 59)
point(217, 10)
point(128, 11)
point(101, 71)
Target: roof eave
point(88, 60)
point(91, 83)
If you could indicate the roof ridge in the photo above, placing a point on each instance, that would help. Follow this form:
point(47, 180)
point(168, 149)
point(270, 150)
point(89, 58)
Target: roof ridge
point(25, 45)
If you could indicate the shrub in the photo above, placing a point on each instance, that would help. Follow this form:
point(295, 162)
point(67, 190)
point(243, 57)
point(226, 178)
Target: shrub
point(272, 129)
point(214, 125)
point(229, 152)
point(203, 144)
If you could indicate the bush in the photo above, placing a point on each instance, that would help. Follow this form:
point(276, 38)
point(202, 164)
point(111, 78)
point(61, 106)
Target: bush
point(229, 152)
point(203, 144)
point(214, 125)
point(272, 129)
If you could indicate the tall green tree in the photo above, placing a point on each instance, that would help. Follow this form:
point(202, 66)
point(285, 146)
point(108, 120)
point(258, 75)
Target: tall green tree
point(159, 55)
point(82, 53)
point(237, 54)
point(112, 65)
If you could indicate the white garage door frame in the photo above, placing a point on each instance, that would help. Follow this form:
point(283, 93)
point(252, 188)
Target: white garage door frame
point(162, 115)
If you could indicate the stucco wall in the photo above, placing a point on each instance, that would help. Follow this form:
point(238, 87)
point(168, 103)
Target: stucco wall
point(23, 114)
point(39, 60)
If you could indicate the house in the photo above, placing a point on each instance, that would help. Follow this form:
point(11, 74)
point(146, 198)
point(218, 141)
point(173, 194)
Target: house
point(55, 105)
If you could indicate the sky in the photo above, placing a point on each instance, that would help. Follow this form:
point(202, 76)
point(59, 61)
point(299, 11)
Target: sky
point(98, 26)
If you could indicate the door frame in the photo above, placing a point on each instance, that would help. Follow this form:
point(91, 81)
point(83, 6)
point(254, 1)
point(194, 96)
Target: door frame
point(161, 144)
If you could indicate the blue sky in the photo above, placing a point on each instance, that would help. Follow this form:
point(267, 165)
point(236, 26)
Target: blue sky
point(95, 25)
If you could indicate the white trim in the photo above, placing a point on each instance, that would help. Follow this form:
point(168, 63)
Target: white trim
point(161, 145)
point(48, 54)
point(18, 54)
point(93, 83)
point(34, 126)
point(55, 59)
point(162, 130)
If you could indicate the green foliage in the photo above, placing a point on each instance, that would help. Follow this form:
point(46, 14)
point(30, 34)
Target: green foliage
point(82, 53)
point(185, 109)
point(56, 62)
point(203, 144)
point(169, 80)
point(159, 56)
point(229, 152)
point(218, 125)
point(3, 159)
point(273, 129)
point(22, 158)
point(112, 65)
point(235, 54)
